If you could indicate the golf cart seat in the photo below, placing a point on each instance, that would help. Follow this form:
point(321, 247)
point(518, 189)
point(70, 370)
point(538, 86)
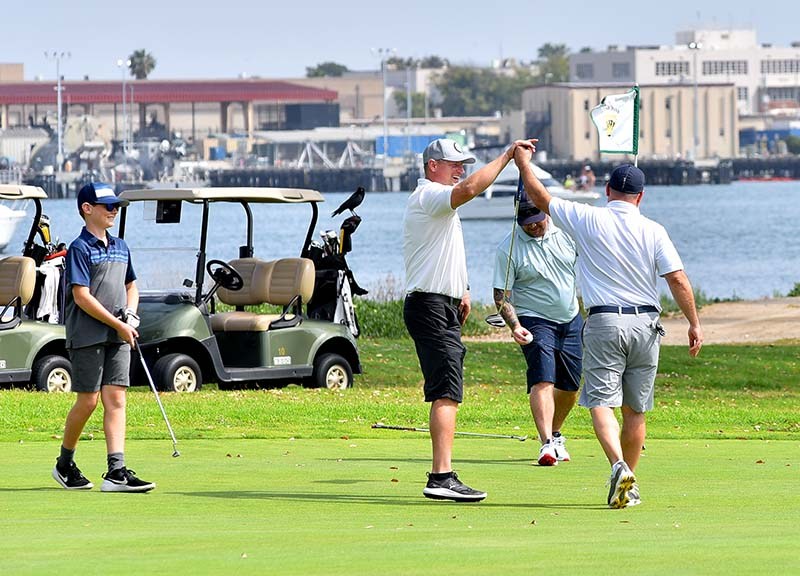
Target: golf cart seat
point(286, 282)
point(17, 281)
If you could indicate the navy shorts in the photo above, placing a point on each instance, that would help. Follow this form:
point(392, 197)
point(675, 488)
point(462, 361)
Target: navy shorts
point(432, 321)
point(555, 354)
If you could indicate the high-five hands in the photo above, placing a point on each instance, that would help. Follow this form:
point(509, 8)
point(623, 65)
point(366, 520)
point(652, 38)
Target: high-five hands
point(524, 151)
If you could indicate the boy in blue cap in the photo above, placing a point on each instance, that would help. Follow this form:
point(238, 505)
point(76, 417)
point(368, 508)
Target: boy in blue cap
point(101, 321)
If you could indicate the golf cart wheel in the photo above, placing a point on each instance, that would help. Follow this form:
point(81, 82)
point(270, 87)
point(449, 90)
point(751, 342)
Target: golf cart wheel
point(52, 374)
point(333, 372)
point(178, 373)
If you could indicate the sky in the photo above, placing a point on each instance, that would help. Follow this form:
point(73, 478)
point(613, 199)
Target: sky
point(280, 39)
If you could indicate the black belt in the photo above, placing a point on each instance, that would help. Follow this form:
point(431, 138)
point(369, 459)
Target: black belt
point(621, 309)
point(434, 296)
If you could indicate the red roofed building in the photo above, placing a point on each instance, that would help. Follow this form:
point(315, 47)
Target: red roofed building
point(191, 106)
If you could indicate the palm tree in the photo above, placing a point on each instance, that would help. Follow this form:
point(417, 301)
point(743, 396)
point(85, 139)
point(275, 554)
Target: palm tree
point(141, 64)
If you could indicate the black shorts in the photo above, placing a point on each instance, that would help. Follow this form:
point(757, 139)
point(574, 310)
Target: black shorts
point(555, 354)
point(432, 321)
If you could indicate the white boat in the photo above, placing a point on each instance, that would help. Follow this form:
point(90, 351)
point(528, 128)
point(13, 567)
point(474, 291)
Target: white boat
point(10, 216)
point(497, 202)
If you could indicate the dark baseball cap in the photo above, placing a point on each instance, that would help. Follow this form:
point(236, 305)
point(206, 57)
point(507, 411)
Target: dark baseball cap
point(446, 149)
point(527, 213)
point(627, 178)
point(99, 193)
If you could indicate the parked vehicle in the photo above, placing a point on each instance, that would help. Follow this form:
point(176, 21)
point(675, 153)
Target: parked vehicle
point(215, 329)
point(32, 351)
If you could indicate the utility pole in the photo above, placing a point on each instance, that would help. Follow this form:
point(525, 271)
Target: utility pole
point(58, 56)
point(123, 66)
point(694, 47)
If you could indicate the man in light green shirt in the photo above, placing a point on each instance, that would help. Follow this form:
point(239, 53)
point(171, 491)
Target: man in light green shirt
point(541, 309)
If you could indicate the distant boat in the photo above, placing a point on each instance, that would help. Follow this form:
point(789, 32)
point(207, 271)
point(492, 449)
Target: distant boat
point(10, 216)
point(497, 202)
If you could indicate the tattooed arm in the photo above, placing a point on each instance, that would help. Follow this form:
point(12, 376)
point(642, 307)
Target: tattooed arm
point(506, 310)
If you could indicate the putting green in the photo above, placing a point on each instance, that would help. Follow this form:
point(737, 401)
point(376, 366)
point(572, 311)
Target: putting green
point(355, 507)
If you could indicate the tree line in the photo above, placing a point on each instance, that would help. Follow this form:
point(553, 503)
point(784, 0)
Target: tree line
point(470, 91)
point(463, 90)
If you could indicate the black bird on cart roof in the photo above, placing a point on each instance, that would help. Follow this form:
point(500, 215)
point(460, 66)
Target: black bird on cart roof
point(353, 202)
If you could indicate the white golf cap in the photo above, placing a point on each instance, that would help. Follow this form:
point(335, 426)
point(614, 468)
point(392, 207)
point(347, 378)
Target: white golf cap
point(446, 149)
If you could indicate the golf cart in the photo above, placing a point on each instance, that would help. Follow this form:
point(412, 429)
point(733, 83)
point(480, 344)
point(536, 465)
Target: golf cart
point(247, 325)
point(32, 339)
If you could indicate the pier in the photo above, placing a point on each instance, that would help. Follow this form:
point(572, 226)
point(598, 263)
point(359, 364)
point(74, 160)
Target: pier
point(404, 178)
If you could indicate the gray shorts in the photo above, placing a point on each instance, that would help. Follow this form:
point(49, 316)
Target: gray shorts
point(620, 360)
point(96, 366)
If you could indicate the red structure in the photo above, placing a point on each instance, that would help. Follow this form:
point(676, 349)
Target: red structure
point(21, 98)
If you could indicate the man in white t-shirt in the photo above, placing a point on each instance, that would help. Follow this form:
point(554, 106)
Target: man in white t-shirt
point(437, 294)
point(622, 255)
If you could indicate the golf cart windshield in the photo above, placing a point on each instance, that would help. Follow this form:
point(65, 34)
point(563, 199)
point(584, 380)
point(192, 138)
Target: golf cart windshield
point(173, 232)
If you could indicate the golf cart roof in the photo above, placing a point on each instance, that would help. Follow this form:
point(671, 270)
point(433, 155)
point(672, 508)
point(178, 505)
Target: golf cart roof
point(20, 192)
point(267, 195)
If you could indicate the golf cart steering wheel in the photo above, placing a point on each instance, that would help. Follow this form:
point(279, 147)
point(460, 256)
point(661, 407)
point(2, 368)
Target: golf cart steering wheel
point(224, 275)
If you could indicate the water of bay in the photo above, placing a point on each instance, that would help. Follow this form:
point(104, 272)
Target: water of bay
point(738, 240)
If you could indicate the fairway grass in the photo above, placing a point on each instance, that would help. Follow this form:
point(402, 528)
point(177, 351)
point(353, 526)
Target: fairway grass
point(354, 506)
point(295, 481)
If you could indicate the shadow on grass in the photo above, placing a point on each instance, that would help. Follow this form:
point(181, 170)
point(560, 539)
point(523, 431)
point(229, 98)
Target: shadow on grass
point(388, 500)
point(426, 461)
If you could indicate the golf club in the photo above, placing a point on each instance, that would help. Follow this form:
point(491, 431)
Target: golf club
point(496, 319)
point(478, 434)
point(175, 452)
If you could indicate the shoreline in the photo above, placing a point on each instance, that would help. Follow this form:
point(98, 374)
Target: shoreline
point(763, 321)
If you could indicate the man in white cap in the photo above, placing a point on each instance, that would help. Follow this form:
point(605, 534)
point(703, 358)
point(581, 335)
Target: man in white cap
point(622, 255)
point(540, 306)
point(437, 294)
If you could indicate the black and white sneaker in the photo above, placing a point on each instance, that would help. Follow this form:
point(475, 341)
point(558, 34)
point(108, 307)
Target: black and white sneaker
point(124, 480)
point(71, 478)
point(451, 488)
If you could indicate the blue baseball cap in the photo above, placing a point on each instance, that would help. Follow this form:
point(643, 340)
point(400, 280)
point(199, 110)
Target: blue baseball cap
point(99, 193)
point(627, 179)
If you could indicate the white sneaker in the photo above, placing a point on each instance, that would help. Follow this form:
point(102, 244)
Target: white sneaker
point(621, 483)
point(547, 455)
point(633, 496)
point(561, 450)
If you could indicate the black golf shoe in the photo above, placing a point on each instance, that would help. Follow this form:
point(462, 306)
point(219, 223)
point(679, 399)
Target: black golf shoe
point(124, 480)
point(451, 488)
point(71, 478)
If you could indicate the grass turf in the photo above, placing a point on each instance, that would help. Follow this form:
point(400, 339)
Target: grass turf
point(295, 481)
point(343, 506)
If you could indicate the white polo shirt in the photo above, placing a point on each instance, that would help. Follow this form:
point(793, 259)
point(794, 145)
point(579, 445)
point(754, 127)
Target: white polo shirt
point(622, 253)
point(433, 243)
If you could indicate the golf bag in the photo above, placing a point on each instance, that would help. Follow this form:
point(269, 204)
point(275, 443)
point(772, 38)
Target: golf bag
point(334, 284)
point(47, 303)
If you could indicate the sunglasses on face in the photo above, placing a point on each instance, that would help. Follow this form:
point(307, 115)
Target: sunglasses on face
point(109, 207)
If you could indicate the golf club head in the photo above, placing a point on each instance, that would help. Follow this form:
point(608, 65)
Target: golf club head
point(495, 320)
point(176, 454)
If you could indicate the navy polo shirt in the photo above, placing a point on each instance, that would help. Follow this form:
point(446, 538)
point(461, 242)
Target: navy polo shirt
point(106, 270)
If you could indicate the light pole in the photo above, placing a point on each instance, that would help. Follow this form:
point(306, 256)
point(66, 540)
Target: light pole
point(123, 65)
point(694, 47)
point(384, 53)
point(409, 105)
point(58, 56)
point(796, 72)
